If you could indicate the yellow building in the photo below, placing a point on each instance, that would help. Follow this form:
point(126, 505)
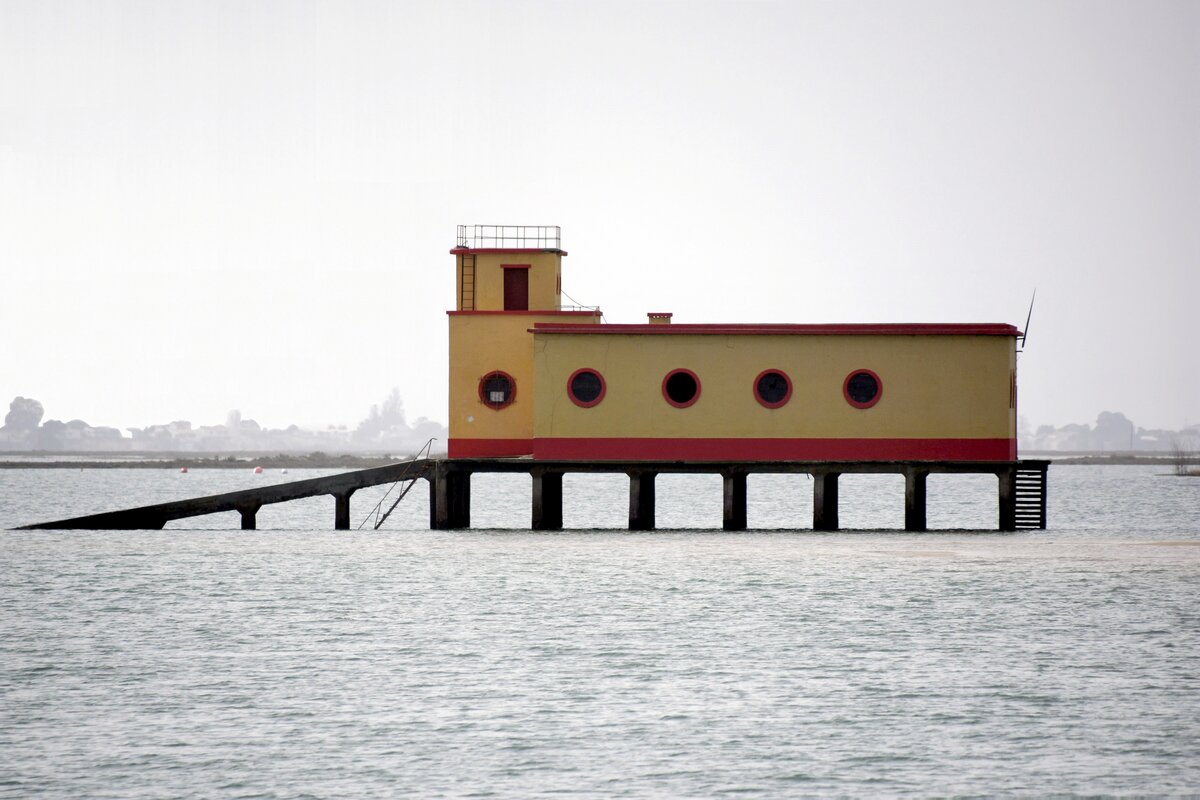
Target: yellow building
point(529, 377)
point(508, 280)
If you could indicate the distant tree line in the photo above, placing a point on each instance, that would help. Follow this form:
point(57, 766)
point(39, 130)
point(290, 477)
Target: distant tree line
point(1112, 433)
point(385, 430)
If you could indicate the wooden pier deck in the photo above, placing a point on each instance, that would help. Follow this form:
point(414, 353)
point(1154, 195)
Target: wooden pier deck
point(1021, 491)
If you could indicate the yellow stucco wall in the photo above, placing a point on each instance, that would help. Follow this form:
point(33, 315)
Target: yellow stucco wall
point(935, 386)
point(544, 272)
point(483, 343)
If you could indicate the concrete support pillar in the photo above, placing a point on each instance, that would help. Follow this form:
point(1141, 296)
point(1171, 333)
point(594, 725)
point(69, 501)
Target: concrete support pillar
point(452, 498)
point(249, 516)
point(1008, 499)
point(439, 501)
point(735, 501)
point(461, 506)
point(341, 510)
point(547, 501)
point(825, 501)
point(641, 501)
point(914, 500)
point(433, 485)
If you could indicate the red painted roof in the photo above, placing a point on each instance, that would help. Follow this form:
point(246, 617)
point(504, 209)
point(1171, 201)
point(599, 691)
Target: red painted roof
point(854, 329)
point(468, 250)
point(530, 313)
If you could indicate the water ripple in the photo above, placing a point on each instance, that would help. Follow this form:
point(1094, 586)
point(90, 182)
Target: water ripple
point(307, 663)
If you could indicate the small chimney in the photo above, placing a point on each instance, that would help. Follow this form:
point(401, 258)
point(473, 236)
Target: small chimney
point(659, 317)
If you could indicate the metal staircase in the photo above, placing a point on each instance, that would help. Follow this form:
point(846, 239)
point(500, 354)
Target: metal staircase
point(411, 478)
point(1030, 491)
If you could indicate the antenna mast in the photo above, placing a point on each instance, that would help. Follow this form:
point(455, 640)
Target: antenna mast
point(1029, 316)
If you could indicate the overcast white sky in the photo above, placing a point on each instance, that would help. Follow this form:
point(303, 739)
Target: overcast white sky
point(210, 206)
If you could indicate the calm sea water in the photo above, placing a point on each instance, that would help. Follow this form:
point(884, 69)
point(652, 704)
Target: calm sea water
point(294, 661)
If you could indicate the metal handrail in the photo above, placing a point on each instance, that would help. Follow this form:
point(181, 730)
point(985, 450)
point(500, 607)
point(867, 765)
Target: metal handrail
point(517, 237)
point(380, 518)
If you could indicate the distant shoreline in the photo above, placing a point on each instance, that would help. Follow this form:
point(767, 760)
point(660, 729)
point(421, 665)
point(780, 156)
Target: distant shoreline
point(176, 461)
point(1115, 459)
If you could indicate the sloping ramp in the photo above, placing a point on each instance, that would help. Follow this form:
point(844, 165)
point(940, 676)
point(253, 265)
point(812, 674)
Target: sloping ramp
point(248, 501)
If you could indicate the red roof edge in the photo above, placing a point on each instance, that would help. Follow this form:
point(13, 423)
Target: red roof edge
point(846, 329)
point(458, 251)
point(530, 313)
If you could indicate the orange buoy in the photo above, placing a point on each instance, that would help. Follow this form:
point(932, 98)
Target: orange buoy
point(258, 470)
point(183, 469)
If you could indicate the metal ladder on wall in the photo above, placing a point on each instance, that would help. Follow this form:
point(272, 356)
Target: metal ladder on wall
point(1030, 498)
point(466, 298)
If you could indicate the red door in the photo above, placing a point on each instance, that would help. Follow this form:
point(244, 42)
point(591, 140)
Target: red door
point(516, 290)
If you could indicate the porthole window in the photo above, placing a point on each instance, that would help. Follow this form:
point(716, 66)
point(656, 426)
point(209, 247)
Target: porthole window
point(772, 388)
point(585, 387)
point(681, 388)
point(862, 388)
point(497, 389)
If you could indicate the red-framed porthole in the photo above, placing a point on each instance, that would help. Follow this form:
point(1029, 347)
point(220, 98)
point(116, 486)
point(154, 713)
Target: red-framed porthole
point(586, 387)
point(497, 390)
point(681, 388)
point(772, 388)
point(862, 388)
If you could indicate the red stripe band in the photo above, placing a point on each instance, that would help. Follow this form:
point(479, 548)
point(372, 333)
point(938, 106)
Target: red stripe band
point(635, 449)
point(630, 449)
point(488, 448)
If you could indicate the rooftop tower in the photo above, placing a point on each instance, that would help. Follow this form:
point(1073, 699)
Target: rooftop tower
point(508, 277)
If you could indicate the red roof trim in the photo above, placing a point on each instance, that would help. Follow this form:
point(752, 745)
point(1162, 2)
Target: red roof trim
point(458, 251)
point(530, 313)
point(856, 329)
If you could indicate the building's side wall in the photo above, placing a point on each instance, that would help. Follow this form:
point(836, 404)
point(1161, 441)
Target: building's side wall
point(482, 343)
point(943, 397)
point(544, 278)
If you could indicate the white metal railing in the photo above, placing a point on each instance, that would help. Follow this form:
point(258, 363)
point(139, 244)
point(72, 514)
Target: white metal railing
point(518, 237)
